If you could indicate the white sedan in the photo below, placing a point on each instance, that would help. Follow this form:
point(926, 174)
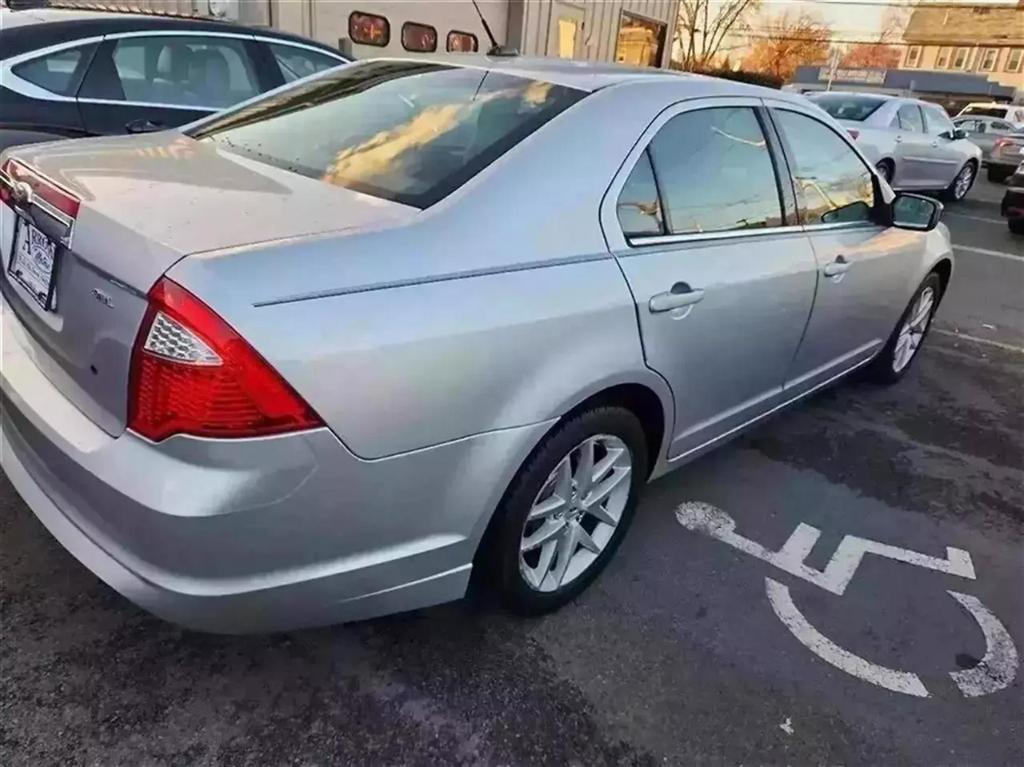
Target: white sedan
point(913, 143)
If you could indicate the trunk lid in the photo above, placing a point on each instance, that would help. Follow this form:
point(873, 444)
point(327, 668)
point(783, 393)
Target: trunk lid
point(145, 203)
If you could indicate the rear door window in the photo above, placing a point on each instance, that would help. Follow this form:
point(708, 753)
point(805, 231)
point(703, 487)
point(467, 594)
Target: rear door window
point(408, 131)
point(59, 72)
point(715, 172)
point(296, 63)
point(833, 184)
point(190, 71)
point(910, 118)
point(938, 120)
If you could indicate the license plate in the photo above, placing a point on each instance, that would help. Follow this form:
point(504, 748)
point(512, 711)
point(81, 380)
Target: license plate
point(32, 262)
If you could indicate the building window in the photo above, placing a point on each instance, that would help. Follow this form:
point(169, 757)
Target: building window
point(960, 58)
point(641, 41)
point(368, 29)
point(914, 56)
point(462, 42)
point(942, 59)
point(419, 38)
point(1013, 61)
point(989, 57)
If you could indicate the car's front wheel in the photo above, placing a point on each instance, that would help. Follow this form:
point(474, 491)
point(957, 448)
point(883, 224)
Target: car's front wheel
point(893, 362)
point(568, 509)
point(961, 184)
point(1016, 225)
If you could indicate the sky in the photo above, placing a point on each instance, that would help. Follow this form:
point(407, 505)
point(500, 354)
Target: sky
point(856, 19)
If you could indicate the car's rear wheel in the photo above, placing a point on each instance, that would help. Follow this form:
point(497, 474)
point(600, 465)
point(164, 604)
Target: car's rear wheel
point(961, 184)
point(896, 357)
point(886, 170)
point(1016, 225)
point(997, 174)
point(568, 509)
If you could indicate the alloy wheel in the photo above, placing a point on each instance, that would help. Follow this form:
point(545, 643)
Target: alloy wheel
point(576, 513)
point(913, 330)
point(963, 182)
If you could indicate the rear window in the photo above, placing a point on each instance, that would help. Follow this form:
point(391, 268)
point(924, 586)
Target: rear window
point(406, 131)
point(846, 107)
point(985, 111)
point(54, 73)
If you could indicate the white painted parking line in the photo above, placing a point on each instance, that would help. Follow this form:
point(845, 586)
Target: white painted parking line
point(987, 252)
point(998, 668)
point(836, 576)
point(997, 221)
point(887, 678)
point(978, 340)
point(994, 672)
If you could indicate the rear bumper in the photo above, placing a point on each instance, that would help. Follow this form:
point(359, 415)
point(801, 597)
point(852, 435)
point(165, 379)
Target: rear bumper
point(251, 535)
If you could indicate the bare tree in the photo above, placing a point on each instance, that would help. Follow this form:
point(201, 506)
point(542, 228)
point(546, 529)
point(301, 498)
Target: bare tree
point(788, 41)
point(704, 25)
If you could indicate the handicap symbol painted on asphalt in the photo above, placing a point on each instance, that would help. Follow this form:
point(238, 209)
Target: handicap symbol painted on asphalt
point(996, 670)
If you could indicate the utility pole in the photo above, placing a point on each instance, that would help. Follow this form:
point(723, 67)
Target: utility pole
point(833, 65)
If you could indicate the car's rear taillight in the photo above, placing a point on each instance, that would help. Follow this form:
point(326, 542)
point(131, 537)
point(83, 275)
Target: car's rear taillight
point(191, 373)
point(43, 188)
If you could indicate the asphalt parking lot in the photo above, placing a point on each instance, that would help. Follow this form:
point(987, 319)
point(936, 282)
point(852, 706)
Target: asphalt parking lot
point(682, 652)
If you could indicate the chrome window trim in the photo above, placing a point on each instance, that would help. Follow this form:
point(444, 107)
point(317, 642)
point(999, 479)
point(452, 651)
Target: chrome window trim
point(156, 104)
point(277, 41)
point(727, 234)
point(29, 90)
point(608, 215)
point(176, 33)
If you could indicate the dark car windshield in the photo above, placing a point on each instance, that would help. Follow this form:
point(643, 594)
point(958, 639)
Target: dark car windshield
point(848, 107)
point(406, 131)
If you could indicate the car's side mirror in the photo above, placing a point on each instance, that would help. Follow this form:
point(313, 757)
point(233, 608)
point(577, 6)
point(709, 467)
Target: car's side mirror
point(953, 135)
point(915, 212)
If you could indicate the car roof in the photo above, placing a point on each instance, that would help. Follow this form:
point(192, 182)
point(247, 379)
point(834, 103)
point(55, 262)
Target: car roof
point(593, 76)
point(32, 28)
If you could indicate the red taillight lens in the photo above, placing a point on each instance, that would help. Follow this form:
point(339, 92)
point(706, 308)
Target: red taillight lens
point(1001, 142)
point(191, 373)
point(45, 189)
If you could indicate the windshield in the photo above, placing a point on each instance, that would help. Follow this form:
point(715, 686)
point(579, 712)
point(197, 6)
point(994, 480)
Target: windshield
point(406, 131)
point(985, 111)
point(847, 106)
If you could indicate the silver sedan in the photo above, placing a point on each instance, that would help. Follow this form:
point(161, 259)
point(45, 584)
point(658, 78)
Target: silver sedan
point(329, 354)
point(913, 143)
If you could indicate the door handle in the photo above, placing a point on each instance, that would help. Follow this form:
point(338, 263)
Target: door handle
point(898, 139)
point(681, 295)
point(143, 125)
point(837, 267)
point(935, 142)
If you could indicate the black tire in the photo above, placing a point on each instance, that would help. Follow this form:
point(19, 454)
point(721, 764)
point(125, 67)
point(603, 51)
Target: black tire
point(1016, 225)
point(886, 170)
point(501, 548)
point(882, 368)
point(998, 175)
point(950, 194)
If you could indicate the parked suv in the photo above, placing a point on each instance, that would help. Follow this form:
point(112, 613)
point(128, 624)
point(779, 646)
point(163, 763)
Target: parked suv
point(70, 73)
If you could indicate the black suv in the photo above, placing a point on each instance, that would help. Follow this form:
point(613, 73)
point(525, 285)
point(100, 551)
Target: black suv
point(70, 73)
